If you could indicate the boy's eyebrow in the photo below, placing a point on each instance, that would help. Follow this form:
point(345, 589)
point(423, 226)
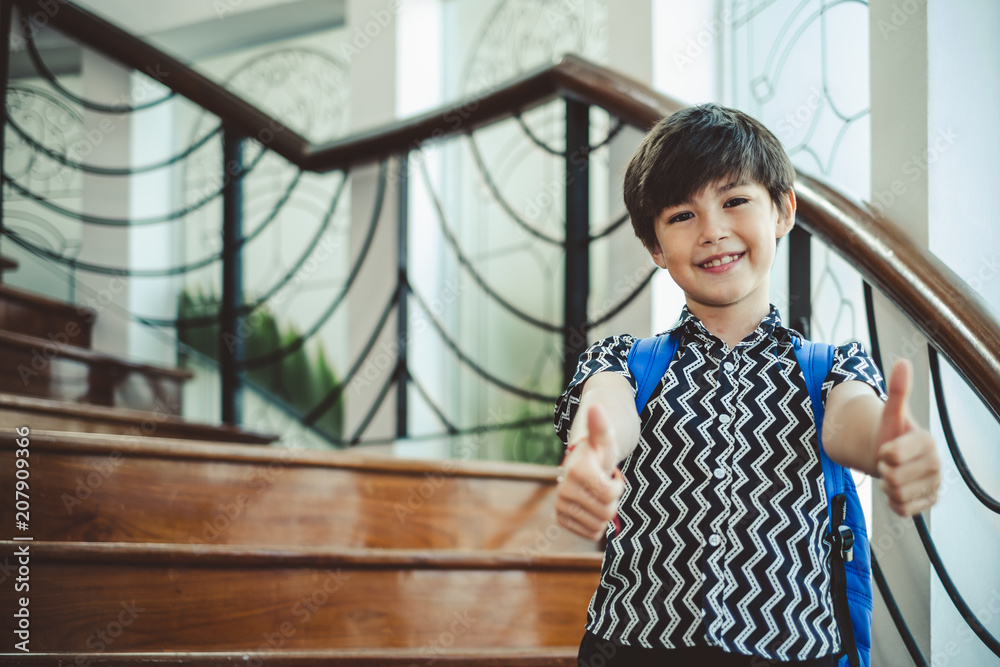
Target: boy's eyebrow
point(722, 189)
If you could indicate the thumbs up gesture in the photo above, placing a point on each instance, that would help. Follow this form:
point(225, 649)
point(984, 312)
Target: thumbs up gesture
point(591, 485)
point(905, 455)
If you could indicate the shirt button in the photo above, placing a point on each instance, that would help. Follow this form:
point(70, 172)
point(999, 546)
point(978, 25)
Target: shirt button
point(729, 366)
point(724, 419)
point(715, 540)
point(719, 473)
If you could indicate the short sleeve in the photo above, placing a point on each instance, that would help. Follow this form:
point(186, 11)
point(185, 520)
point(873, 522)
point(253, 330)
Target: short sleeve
point(608, 355)
point(851, 362)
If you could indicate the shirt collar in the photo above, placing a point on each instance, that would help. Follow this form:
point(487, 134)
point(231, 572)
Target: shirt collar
point(689, 325)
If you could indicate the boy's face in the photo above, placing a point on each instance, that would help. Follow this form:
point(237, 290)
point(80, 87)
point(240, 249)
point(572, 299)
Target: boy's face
point(719, 246)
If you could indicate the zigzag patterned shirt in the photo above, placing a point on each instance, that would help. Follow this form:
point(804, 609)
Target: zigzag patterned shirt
point(724, 511)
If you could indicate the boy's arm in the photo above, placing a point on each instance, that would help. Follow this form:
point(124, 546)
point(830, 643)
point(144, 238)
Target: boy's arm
point(614, 394)
point(605, 430)
point(883, 440)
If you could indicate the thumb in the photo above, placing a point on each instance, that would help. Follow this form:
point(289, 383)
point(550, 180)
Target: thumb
point(895, 413)
point(601, 437)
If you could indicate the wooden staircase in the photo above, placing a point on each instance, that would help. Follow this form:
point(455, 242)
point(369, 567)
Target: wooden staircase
point(45, 352)
point(159, 541)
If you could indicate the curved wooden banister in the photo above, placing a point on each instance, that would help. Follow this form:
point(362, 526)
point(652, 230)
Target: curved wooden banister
point(936, 300)
point(939, 303)
point(569, 76)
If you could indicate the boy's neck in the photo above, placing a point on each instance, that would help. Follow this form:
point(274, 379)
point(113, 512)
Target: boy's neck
point(731, 324)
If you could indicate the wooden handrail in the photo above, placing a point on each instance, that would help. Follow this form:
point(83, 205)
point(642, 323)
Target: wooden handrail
point(570, 76)
point(941, 306)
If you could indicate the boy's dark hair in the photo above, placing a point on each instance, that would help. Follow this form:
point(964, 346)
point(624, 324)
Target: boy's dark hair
point(693, 148)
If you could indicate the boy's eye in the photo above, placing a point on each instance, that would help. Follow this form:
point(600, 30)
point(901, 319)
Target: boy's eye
point(680, 217)
point(735, 201)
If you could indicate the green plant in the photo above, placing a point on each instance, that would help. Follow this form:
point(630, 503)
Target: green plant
point(532, 444)
point(300, 379)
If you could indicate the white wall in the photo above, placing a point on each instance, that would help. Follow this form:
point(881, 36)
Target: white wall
point(963, 91)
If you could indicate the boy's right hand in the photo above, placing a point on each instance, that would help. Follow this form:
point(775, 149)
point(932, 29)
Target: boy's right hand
point(591, 485)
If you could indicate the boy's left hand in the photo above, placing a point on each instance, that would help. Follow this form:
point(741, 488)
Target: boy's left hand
point(906, 457)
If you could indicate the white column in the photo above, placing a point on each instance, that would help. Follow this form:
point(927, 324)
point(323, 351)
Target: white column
point(630, 51)
point(108, 141)
point(690, 39)
point(154, 193)
point(687, 65)
point(371, 48)
point(111, 140)
point(420, 66)
point(899, 129)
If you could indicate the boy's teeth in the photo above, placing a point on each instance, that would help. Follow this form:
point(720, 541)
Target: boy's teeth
point(719, 262)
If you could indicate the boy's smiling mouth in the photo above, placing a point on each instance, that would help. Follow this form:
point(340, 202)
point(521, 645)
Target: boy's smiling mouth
point(721, 260)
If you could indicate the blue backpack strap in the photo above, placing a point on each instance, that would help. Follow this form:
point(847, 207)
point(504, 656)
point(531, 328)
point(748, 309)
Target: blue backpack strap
point(816, 360)
point(852, 567)
point(648, 361)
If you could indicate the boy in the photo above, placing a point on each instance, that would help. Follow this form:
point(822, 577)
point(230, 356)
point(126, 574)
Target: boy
point(720, 558)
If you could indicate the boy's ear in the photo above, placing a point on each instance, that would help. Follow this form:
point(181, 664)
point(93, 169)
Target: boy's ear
point(656, 252)
point(786, 219)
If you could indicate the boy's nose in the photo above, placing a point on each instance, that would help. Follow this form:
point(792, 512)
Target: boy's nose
point(713, 229)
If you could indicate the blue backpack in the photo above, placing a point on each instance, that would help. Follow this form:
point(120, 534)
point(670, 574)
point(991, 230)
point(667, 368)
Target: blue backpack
point(850, 556)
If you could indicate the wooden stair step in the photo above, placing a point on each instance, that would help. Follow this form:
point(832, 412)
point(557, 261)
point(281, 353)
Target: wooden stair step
point(36, 315)
point(210, 598)
point(560, 656)
point(35, 366)
point(91, 487)
point(44, 414)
